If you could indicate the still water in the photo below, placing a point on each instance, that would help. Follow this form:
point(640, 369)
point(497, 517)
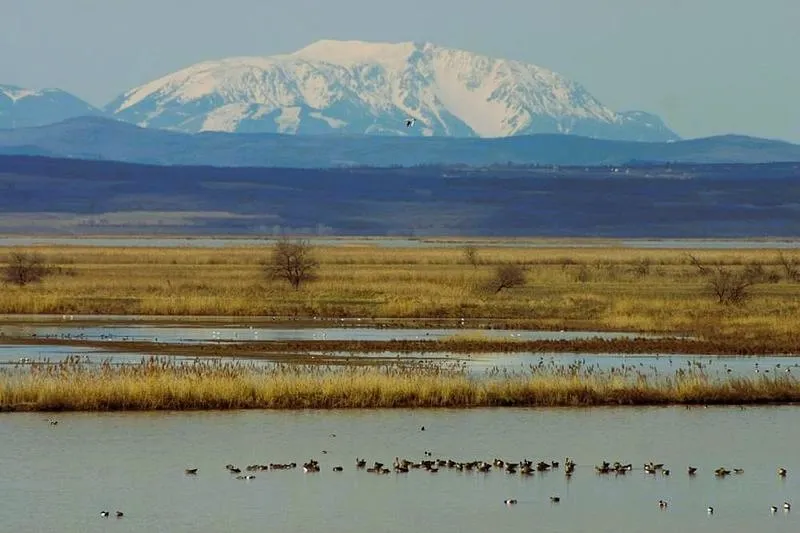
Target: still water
point(477, 364)
point(204, 334)
point(60, 477)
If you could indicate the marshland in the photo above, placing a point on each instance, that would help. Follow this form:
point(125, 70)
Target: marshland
point(636, 301)
point(152, 368)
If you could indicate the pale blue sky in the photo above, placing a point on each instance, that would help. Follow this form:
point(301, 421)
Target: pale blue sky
point(705, 66)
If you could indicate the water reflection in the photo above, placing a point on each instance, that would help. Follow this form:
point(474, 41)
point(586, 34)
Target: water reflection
point(204, 334)
point(476, 365)
point(59, 478)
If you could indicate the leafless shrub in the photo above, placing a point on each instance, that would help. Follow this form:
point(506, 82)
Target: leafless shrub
point(583, 275)
point(292, 261)
point(642, 267)
point(728, 286)
point(24, 268)
point(508, 276)
point(790, 266)
point(471, 255)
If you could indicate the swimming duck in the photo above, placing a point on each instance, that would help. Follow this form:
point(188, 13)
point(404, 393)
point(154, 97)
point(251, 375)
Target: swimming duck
point(104, 514)
point(191, 471)
point(120, 514)
point(692, 470)
point(782, 472)
point(773, 508)
point(710, 510)
point(510, 501)
point(787, 506)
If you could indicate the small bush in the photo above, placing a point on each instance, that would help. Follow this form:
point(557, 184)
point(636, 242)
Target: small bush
point(24, 268)
point(508, 276)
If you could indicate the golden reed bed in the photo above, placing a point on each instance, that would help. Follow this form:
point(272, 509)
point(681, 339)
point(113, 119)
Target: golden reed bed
point(158, 384)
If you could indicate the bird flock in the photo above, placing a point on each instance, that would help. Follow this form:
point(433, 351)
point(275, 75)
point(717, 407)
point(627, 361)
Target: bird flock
point(525, 467)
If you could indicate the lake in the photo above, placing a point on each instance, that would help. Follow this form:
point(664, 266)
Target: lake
point(182, 334)
point(59, 478)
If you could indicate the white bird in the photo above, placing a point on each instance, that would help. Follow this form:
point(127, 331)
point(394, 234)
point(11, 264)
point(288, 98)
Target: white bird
point(410, 122)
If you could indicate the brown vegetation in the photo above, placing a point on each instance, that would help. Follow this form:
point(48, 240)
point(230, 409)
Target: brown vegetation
point(24, 268)
point(298, 349)
point(508, 276)
point(292, 261)
point(658, 291)
point(161, 384)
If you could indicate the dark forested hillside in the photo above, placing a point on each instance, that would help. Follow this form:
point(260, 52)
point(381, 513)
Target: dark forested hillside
point(39, 194)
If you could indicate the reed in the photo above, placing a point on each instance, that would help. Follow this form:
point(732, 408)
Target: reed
point(157, 384)
point(656, 291)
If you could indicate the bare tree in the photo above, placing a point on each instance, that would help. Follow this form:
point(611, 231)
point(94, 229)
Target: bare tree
point(790, 266)
point(471, 255)
point(508, 276)
point(728, 286)
point(292, 261)
point(24, 268)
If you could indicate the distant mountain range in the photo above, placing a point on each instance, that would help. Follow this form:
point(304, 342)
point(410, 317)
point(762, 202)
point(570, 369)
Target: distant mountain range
point(354, 87)
point(22, 108)
point(106, 139)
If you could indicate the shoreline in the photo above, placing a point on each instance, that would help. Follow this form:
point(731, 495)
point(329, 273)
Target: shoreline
point(283, 350)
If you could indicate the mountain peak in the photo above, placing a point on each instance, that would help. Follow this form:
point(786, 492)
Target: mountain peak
point(361, 87)
point(357, 52)
point(22, 107)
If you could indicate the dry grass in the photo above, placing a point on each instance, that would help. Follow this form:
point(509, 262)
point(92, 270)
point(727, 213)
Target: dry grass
point(599, 288)
point(157, 384)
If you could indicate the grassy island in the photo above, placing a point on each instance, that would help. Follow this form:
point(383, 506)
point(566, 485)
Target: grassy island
point(160, 383)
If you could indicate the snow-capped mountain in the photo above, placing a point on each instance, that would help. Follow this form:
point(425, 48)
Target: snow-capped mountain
point(361, 87)
point(21, 107)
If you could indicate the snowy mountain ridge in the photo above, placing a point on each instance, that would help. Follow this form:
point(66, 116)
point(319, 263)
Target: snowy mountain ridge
point(359, 87)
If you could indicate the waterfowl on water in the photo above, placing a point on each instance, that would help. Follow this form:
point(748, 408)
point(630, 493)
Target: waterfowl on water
point(710, 510)
point(191, 471)
point(104, 514)
point(692, 470)
point(782, 472)
point(337, 468)
point(120, 514)
point(510, 501)
point(662, 504)
point(555, 499)
point(773, 508)
point(787, 506)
